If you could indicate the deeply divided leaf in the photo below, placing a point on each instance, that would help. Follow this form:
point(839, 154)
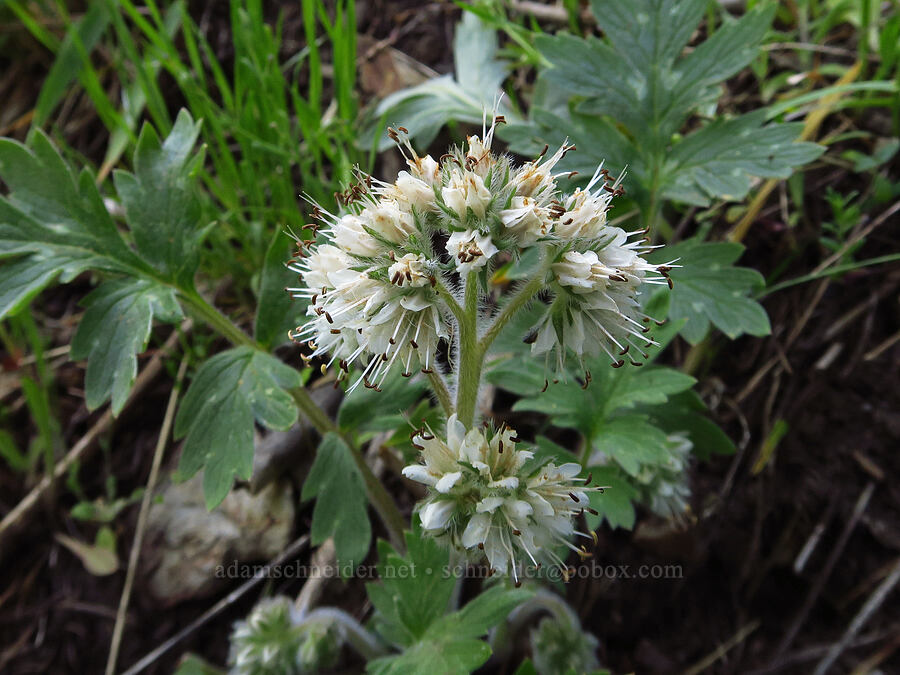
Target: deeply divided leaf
point(413, 590)
point(709, 289)
point(162, 208)
point(340, 510)
point(114, 330)
point(229, 392)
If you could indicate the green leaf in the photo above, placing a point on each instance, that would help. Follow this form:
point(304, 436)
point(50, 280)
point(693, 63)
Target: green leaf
point(614, 504)
point(631, 440)
point(720, 159)
point(480, 614)
point(22, 279)
point(639, 78)
point(52, 212)
point(161, 205)
point(649, 386)
point(413, 591)
point(449, 646)
point(276, 311)
point(685, 412)
point(228, 393)
point(708, 288)
point(425, 108)
point(611, 389)
point(445, 655)
point(370, 410)
point(114, 330)
point(340, 511)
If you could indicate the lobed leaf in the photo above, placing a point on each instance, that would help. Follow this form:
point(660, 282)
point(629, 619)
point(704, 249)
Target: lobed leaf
point(161, 205)
point(51, 211)
point(340, 511)
point(115, 328)
point(719, 159)
point(228, 393)
point(709, 289)
point(413, 590)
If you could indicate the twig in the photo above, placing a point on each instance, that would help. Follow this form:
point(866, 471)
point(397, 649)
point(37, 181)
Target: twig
point(309, 595)
point(872, 604)
point(707, 661)
point(220, 606)
point(142, 519)
point(555, 13)
point(816, 588)
point(23, 511)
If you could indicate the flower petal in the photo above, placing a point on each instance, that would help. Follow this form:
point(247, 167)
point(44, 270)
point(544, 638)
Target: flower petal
point(436, 515)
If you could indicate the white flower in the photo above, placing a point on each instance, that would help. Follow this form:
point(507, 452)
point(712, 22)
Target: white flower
point(535, 178)
point(352, 316)
point(412, 192)
point(470, 249)
point(585, 210)
point(597, 309)
point(484, 497)
point(466, 190)
point(410, 270)
point(479, 157)
point(390, 221)
point(349, 234)
point(526, 220)
point(582, 271)
point(425, 168)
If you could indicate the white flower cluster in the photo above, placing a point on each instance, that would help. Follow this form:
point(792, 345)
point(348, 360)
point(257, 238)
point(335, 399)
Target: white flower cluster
point(485, 496)
point(665, 487)
point(380, 278)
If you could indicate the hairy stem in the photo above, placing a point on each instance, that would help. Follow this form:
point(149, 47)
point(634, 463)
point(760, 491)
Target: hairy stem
point(470, 355)
point(516, 303)
point(378, 496)
point(363, 642)
point(439, 386)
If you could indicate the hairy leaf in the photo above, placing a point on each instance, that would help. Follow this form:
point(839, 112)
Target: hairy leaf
point(114, 330)
point(23, 278)
point(450, 644)
point(613, 504)
point(631, 440)
point(340, 511)
point(54, 212)
point(229, 392)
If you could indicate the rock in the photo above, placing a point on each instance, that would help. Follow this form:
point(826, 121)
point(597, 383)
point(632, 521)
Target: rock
point(185, 543)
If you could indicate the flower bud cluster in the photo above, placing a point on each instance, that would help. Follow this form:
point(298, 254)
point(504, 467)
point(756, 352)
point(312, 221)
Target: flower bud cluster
point(273, 641)
point(487, 496)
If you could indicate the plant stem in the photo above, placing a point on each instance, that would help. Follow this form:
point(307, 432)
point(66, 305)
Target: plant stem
point(217, 320)
point(378, 496)
point(470, 355)
point(519, 300)
point(441, 392)
point(450, 299)
point(365, 643)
